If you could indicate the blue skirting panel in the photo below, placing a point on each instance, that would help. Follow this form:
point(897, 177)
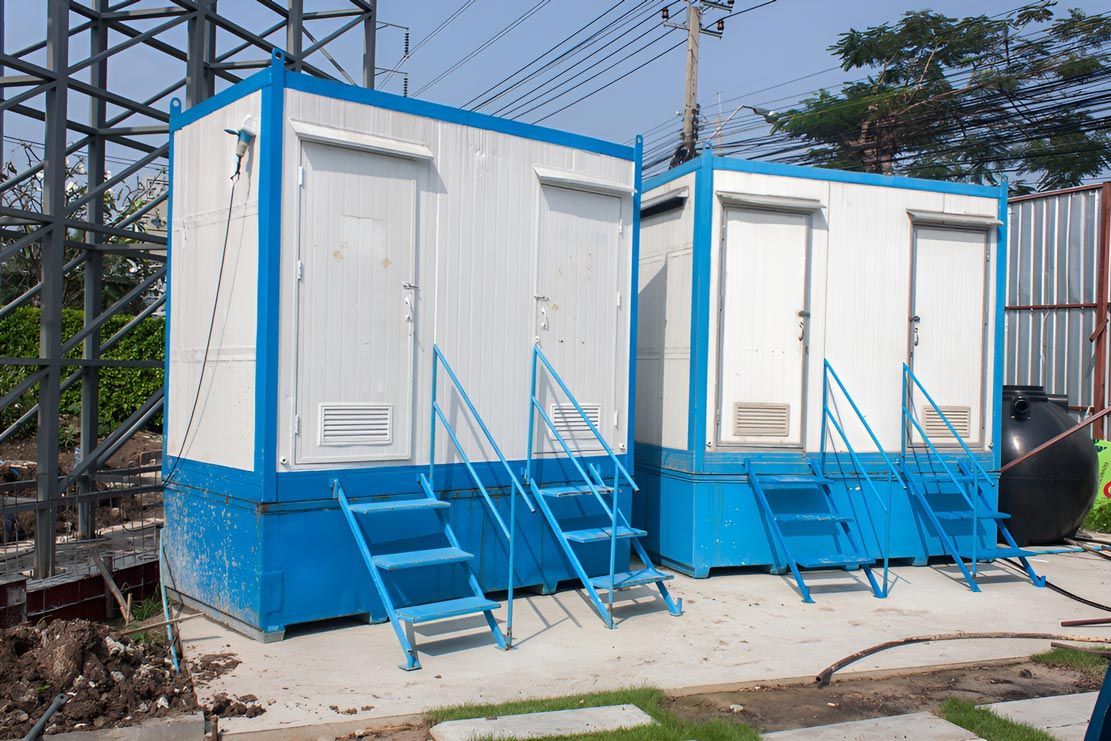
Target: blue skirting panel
point(265, 566)
point(698, 521)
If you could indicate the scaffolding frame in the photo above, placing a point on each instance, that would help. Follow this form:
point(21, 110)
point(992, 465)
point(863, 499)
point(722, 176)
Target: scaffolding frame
point(72, 231)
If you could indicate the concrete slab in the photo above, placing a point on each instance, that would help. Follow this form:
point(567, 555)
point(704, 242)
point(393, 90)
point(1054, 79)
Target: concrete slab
point(916, 726)
point(1064, 717)
point(738, 627)
point(538, 725)
point(177, 728)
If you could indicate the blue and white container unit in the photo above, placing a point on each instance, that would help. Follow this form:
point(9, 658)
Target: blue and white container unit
point(818, 369)
point(386, 329)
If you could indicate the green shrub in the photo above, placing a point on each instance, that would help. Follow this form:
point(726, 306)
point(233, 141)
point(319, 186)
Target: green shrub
point(1099, 519)
point(122, 390)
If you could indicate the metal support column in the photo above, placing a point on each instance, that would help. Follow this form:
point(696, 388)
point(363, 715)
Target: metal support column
point(53, 258)
point(370, 34)
point(294, 38)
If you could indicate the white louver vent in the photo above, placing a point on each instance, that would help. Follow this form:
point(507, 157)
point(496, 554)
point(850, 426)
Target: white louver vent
point(356, 424)
point(761, 420)
point(571, 424)
point(959, 417)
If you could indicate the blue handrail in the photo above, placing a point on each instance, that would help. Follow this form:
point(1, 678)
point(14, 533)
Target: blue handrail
point(620, 471)
point(829, 419)
point(909, 416)
point(510, 532)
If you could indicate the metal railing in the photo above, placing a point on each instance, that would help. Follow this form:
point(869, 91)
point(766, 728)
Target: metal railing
point(830, 419)
point(593, 482)
point(515, 488)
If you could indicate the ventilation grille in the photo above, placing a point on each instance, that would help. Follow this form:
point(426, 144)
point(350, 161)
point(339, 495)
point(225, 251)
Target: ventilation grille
point(761, 420)
point(959, 417)
point(356, 424)
point(571, 424)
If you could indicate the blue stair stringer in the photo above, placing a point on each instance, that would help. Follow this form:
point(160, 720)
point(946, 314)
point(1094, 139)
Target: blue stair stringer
point(379, 565)
point(850, 551)
point(615, 527)
point(969, 480)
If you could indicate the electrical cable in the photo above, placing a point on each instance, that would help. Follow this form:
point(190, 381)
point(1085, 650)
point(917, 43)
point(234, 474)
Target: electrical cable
point(473, 105)
point(1017, 567)
point(409, 55)
point(484, 46)
point(168, 477)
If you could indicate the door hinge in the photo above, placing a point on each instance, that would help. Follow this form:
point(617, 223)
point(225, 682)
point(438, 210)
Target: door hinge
point(621, 228)
point(300, 270)
point(296, 424)
point(619, 299)
point(616, 418)
point(300, 177)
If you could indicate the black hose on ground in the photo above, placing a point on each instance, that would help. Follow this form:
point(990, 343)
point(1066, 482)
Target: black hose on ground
point(1059, 590)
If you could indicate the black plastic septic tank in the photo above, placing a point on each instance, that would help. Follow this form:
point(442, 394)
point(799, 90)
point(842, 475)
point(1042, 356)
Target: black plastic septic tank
point(1048, 495)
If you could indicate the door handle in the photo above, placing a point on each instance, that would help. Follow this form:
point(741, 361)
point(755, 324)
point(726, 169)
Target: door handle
point(409, 313)
point(914, 320)
point(804, 315)
point(543, 318)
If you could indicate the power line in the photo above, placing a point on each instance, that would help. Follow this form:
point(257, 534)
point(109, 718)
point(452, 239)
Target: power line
point(485, 45)
point(444, 24)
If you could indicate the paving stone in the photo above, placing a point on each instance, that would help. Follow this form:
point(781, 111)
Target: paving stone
point(916, 726)
point(536, 725)
point(1065, 717)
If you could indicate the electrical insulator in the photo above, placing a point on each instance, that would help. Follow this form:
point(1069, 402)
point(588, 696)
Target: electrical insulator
point(405, 86)
point(667, 14)
point(721, 25)
point(406, 43)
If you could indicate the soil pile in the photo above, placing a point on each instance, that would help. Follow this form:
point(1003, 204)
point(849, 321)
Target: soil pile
point(110, 681)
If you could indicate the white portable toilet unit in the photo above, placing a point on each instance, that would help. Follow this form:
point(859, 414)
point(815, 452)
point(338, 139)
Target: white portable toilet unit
point(366, 325)
point(819, 364)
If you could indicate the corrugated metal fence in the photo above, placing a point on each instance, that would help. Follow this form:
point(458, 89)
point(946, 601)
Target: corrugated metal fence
point(1053, 294)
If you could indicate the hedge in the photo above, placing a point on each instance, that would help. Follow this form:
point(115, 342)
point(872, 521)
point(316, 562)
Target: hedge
point(122, 390)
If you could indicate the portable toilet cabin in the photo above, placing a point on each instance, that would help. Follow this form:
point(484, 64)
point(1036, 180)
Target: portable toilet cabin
point(362, 323)
point(819, 356)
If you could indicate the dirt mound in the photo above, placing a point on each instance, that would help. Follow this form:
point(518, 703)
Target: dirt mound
point(110, 680)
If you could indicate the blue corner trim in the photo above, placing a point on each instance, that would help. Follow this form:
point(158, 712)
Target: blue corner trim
point(269, 275)
point(857, 178)
point(1001, 250)
point(634, 301)
point(332, 89)
point(241, 89)
point(700, 306)
point(175, 109)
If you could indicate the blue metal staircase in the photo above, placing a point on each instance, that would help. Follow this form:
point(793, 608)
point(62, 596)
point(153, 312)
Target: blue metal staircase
point(960, 478)
point(382, 565)
point(850, 551)
point(613, 525)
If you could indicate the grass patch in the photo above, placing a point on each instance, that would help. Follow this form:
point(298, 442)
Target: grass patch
point(1099, 519)
point(146, 609)
point(987, 725)
point(1069, 658)
point(651, 701)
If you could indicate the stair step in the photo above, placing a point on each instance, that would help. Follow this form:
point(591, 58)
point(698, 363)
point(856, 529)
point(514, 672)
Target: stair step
point(598, 534)
point(415, 559)
point(834, 561)
point(445, 609)
point(941, 478)
point(629, 579)
point(573, 490)
point(398, 505)
point(966, 514)
point(812, 517)
point(793, 481)
point(988, 554)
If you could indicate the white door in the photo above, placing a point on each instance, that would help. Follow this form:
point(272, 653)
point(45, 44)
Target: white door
point(577, 308)
point(762, 323)
point(355, 308)
point(948, 315)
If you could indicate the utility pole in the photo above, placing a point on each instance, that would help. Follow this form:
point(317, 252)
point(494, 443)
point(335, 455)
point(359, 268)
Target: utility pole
point(688, 143)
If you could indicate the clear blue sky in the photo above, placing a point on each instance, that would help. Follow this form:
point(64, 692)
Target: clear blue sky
point(760, 49)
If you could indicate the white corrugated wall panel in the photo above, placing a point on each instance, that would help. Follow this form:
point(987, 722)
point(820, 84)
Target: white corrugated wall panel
point(664, 321)
point(222, 430)
point(1054, 248)
point(477, 229)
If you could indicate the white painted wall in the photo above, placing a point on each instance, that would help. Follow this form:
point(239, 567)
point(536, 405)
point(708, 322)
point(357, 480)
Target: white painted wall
point(222, 430)
point(478, 222)
point(859, 294)
point(664, 321)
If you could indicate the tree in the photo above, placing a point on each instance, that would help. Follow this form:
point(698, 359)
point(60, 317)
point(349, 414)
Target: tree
point(970, 98)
